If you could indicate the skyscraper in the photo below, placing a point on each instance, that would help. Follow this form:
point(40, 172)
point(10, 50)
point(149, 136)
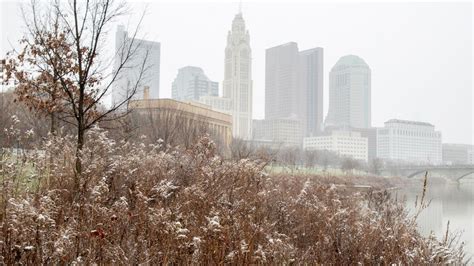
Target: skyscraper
point(134, 72)
point(238, 77)
point(191, 83)
point(349, 93)
point(282, 94)
point(311, 86)
point(294, 85)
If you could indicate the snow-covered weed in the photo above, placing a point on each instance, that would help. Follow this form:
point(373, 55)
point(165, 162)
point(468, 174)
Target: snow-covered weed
point(151, 204)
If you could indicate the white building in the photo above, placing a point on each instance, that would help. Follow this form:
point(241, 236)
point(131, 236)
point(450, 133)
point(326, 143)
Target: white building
point(409, 141)
point(237, 83)
point(141, 69)
point(191, 83)
point(350, 93)
point(369, 133)
point(286, 132)
point(345, 143)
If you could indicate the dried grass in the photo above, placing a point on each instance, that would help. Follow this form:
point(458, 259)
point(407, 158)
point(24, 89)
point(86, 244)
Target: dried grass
point(148, 204)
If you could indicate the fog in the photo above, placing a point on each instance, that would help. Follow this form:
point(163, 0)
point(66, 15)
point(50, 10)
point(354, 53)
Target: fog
point(241, 133)
point(420, 54)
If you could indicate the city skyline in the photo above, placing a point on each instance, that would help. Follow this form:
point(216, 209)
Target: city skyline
point(391, 86)
point(132, 132)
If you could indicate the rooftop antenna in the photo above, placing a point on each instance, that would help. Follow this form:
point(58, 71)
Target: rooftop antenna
point(240, 7)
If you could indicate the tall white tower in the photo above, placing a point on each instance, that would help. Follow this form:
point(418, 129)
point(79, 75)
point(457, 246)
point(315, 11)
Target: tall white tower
point(238, 78)
point(350, 93)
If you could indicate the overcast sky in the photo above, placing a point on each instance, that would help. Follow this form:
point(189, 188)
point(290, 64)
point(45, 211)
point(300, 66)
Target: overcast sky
point(420, 54)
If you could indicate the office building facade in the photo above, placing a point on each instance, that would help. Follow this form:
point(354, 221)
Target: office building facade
point(350, 93)
point(139, 64)
point(345, 143)
point(409, 141)
point(294, 85)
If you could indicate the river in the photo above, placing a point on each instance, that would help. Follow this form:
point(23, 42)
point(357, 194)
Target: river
point(453, 202)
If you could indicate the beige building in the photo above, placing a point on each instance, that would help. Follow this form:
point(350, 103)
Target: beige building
point(218, 123)
point(345, 143)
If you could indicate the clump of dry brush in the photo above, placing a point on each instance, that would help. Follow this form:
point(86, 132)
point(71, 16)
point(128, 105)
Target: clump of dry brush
point(153, 204)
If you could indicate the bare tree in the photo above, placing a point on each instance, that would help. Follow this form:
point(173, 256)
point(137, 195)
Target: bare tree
point(62, 69)
point(376, 165)
point(310, 158)
point(290, 157)
point(349, 164)
point(241, 149)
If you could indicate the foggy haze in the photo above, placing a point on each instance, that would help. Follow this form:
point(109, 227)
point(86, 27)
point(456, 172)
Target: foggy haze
point(420, 54)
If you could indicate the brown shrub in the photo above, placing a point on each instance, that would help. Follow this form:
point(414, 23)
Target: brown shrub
point(154, 205)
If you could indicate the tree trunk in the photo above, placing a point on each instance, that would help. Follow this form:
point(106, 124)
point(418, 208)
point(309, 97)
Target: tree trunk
point(53, 117)
point(79, 146)
point(53, 124)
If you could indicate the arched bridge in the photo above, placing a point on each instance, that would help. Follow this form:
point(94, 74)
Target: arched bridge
point(454, 172)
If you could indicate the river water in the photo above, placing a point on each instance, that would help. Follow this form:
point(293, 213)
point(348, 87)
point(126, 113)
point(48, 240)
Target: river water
point(453, 202)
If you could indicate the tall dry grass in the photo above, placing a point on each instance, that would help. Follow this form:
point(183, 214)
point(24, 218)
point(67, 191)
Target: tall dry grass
point(152, 204)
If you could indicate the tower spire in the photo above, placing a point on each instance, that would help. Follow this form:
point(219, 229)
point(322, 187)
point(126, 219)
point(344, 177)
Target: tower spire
point(240, 7)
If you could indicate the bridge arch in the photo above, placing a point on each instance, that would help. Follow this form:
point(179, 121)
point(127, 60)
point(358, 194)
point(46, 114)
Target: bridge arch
point(453, 172)
point(464, 175)
point(417, 173)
